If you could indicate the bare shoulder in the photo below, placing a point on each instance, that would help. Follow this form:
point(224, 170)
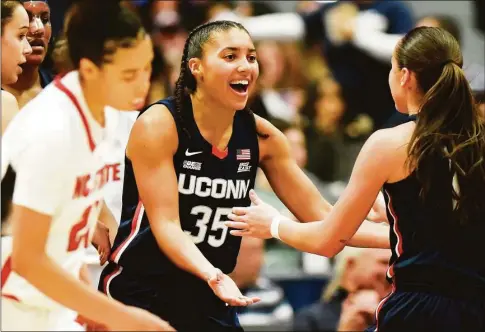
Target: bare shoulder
point(264, 126)
point(391, 138)
point(387, 148)
point(154, 130)
point(272, 142)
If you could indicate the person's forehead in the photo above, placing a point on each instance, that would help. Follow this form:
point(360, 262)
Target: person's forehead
point(122, 59)
point(233, 38)
point(36, 6)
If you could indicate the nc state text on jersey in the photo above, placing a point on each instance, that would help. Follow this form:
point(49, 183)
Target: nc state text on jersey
point(85, 184)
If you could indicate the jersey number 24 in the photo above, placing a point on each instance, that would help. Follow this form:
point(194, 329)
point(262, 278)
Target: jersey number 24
point(80, 231)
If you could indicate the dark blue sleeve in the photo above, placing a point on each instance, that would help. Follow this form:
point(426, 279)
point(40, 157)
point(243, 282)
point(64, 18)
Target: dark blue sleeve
point(400, 17)
point(314, 25)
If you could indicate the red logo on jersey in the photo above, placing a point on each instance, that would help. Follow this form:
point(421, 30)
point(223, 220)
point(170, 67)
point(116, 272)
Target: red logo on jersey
point(104, 175)
point(79, 235)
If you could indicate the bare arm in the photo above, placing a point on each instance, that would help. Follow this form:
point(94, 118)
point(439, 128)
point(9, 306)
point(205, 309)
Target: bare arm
point(40, 191)
point(109, 221)
point(341, 226)
point(299, 194)
point(30, 232)
point(151, 152)
point(288, 181)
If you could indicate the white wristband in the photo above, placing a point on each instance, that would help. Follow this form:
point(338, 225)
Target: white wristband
point(274, 229)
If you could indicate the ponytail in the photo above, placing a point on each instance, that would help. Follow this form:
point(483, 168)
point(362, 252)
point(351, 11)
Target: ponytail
point(448, 126)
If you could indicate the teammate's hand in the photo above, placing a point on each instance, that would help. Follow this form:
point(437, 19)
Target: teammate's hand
point(226, 289)
point(254, 220)
point(101, 242)
point(378, 213)
point(137, 319)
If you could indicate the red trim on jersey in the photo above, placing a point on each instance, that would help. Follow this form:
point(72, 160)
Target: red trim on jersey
point(134, 222)
point(70, 95)
point(381, 304)
point(109, 276)
point(220, 154)
point(11, 297)
point(396, 231)
point(6, 270)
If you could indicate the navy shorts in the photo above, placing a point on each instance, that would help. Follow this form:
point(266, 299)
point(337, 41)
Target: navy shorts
point(417, 309)
point(186, 302)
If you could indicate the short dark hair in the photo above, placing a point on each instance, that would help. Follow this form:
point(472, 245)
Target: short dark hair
point(95, 30)
point(8, 7)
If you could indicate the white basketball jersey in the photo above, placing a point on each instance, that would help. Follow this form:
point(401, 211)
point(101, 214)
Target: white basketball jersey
point(56, 150)
point(116, 158)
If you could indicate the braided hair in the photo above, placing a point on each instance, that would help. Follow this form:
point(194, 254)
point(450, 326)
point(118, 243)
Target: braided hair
point(186, 83)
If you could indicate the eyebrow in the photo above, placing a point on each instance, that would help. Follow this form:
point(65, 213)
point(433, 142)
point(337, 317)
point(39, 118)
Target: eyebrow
point(236, 49)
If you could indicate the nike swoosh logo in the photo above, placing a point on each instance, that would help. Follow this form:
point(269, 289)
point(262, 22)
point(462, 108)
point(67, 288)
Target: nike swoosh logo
point(188, 154)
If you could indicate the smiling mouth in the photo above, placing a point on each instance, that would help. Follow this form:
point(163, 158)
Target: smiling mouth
point(240, 86)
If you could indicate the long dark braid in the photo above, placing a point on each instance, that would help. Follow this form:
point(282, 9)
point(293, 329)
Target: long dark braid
point(186, 82)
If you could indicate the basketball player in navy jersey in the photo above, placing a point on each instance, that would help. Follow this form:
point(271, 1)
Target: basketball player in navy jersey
point(190, 159)
point(432, 171)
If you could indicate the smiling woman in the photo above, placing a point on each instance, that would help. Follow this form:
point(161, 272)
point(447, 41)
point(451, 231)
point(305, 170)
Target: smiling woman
point(190, 158)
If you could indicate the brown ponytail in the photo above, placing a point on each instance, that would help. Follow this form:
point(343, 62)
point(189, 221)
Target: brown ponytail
point(448, 128)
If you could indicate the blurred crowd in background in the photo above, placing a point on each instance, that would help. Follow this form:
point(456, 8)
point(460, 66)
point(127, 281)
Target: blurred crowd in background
point(324, 83)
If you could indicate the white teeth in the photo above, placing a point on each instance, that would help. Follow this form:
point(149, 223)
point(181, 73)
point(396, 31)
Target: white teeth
point(245, 82)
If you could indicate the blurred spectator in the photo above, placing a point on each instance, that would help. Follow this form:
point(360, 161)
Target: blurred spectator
point(355, 270)
point(268, 101)
point(323, 110)
point(362, 77)
point(475, 73)
point(298, 145)
point(358, 311)
point(34, 76)
point(168, 35)
point(273, 311)
point(307, 6)
point(58, 11)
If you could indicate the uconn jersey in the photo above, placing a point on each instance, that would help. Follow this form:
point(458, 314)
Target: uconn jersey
point(210, 183)
point(53, 151)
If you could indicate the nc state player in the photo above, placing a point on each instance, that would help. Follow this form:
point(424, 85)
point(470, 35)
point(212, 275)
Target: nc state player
point(55, 149)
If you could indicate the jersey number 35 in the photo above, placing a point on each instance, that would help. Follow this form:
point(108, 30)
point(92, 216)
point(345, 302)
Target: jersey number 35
point(218, 231)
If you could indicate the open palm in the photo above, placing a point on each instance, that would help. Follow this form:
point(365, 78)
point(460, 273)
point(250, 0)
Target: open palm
point(226, 289)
